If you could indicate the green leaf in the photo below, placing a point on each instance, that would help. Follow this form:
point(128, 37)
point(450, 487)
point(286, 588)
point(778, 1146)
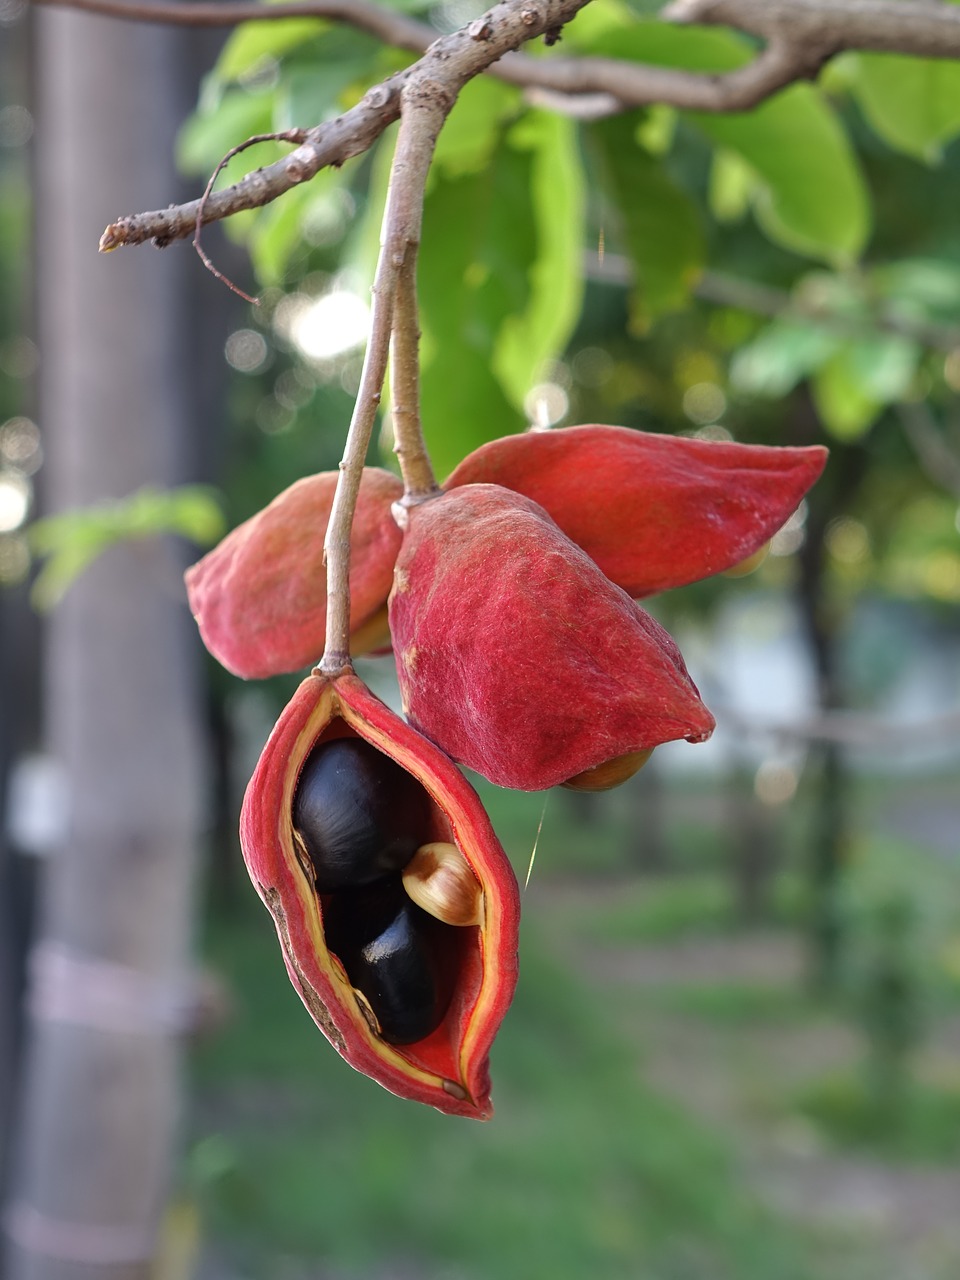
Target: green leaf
point(209, 134)
point(72, 540)
point(932, 285)
point(479, 240)
point(282, 228)
point(732, 184)
point(782, 354)
point(812, 197)
point(612, 31)
point(843, 402)
point(863, 376)
point(885, 364)
point(659, 224)
point(254, 43)
point(312, 93)
point(912, 103)
point(500, 281)
point(529, 338)
point(473, 129)
point(657, 129)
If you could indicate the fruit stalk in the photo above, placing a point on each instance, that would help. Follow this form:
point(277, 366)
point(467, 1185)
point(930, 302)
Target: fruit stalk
point(419, 480)
point(424, 107)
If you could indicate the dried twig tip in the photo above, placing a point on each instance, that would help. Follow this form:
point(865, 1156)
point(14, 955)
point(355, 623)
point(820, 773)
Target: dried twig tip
point(111, 239)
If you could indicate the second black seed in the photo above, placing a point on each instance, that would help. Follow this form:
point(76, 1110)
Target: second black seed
point(396, 955)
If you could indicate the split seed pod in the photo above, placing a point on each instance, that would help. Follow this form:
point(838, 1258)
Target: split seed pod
point(341, 948)
point(260, 596)
point(518, 657)
point(654, 511)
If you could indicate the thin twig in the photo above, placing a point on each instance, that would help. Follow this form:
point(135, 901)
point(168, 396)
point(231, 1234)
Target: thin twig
point(800, 34)
point(294, 136)
point(461, 55)
point(425, 106)
point(331, 143)
point(429, 92)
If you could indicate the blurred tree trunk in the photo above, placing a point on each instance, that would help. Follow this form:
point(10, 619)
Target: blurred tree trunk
point(19, 638)
point(18, 643)
point(752, 835)
point(823, 619)
point(111, 967)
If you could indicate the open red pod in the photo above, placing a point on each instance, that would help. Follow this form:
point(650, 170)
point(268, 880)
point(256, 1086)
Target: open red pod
point(409, 999)
point(654, 511)
point(519, 658)
point(260, 596)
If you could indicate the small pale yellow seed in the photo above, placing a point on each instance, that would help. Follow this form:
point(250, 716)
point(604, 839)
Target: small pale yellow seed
point(749, 565)
point(438, 878)
point(609, 774)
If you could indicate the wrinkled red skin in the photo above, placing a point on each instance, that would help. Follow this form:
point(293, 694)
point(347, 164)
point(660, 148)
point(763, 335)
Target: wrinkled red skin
point(517, 656)
point(260, 596)
point(449, 1069)
point(654, 511)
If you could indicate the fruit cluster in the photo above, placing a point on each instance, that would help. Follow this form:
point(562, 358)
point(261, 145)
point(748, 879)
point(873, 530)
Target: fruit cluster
point(508, 599)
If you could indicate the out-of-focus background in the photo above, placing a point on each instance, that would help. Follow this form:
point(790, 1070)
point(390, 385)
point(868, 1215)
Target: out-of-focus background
point(735, 1049)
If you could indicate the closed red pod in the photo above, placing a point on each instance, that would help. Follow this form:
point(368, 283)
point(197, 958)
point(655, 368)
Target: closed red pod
point(412, 997)
point(654, 511)
point(260, 596)
point(517, 656)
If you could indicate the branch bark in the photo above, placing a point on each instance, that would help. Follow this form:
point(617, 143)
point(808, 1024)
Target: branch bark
point(419, 480)
point(800, 35)
point(451, 59)
point(924, 28)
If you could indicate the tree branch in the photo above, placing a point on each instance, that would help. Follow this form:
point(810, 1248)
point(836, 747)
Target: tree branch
point(429, 91)
point(459, 56)
point(924, 28)
point(801, 35)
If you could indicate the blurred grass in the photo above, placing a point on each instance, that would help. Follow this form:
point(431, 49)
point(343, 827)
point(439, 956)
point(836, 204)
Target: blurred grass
point(301, 1167)
point(584, 1170)
point(738, 1003)
point(919, 1122)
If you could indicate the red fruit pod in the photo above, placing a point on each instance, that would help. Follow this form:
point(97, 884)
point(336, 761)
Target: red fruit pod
point(654, 511)
point(517, 656)
point(446, 1067)
point(260, 596)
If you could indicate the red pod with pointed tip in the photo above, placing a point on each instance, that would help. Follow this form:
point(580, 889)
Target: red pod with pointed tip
point(654, 511)
point(516, 654)
point(260, 596)
point(447, 1066)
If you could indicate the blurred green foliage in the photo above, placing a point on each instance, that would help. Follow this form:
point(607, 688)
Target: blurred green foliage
point(605, 271)
point(583, 1171)
point(70, 541)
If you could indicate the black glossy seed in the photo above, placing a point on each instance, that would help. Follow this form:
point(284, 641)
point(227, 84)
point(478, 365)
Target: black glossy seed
point(397, 955)
point(359, 814)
